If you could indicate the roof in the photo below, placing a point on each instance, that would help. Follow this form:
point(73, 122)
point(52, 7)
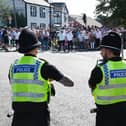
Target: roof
point(90, 21)
point(60, 4)
point(38, 2)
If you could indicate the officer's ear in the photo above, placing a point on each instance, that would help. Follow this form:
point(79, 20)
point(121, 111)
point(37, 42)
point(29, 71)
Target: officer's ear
point(35, 50)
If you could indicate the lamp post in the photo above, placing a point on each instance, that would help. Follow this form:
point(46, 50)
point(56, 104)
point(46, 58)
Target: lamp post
point(15, 18)
point(50, 17)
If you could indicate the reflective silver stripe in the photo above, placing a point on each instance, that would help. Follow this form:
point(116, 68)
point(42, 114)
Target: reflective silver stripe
point(36, 75)
point(32, 95)
point(111, 97)
point(106, 72)
point(109, 47)
point(112, 86)
point(21, 81)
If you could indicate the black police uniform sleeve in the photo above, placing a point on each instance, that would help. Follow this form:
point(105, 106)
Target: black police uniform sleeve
point(95, 78)
point(49, 71)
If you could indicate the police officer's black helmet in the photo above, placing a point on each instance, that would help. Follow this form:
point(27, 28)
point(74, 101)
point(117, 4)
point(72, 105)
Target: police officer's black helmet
point(27, 41)
point(111, 41)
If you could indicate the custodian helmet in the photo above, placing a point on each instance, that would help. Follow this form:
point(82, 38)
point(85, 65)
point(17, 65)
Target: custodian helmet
point(27, 41)
point(111, 41)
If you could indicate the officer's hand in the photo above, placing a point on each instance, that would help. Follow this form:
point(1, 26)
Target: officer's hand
point(53, 91)
point(67, 82)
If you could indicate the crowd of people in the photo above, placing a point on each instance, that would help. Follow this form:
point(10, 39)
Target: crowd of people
point(65, 39)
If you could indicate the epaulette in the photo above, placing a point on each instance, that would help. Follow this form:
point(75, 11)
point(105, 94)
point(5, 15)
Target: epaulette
point(101, 62)
point(43, 60)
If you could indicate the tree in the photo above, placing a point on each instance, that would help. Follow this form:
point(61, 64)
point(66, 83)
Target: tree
point(104, 20)
point(20, 18)
point(114, 10)
point(4, 12)
point(47, 1)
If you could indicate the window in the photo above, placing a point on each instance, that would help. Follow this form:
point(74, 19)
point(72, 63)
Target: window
point(33, 25)
point(65, 17)
point(33, 11)
point(57, 18)
point(42, 12)
point(42, 25)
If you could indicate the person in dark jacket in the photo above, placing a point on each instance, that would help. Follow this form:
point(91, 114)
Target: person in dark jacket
point(5, 38)
point(30, 82)
point(108, 83)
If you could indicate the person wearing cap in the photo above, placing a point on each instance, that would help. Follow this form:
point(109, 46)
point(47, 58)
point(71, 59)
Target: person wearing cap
point(30, 82)
point(108, 83)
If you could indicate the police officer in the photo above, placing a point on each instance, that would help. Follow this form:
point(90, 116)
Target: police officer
point(30, 81)
point(108, 83)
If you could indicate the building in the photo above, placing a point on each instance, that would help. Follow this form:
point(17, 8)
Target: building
point(37, 12)
point(60, 14)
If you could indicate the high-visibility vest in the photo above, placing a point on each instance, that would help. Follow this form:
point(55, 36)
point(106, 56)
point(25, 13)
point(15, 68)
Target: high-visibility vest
point(112, 88)
point(26, 81)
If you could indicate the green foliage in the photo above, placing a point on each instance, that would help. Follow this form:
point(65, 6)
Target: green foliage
point(20, 18)
point(102, 19)
point(113, 10)
point(4, 12)
point(47, 1)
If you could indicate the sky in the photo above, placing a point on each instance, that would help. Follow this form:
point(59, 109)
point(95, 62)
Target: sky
point(80, 6)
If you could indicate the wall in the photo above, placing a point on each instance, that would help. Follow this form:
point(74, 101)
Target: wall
point(37, 19)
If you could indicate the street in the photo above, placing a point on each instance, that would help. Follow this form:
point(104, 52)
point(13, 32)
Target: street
point(71, 105)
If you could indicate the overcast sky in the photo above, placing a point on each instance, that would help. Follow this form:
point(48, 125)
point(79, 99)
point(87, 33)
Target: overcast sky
point(80, 6)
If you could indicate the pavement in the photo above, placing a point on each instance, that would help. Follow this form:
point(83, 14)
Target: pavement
point(9, 49)
point(71, 105)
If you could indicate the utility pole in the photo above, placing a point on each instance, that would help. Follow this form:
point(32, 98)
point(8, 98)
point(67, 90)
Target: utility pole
point(50, 16)
point(14, 9)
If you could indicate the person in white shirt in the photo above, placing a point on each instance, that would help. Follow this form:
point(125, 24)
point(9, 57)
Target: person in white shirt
point(86, 40)
point(61, 40)
point(98, 36)
point(17, 34)
point(81, 40)
point(69, 37)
